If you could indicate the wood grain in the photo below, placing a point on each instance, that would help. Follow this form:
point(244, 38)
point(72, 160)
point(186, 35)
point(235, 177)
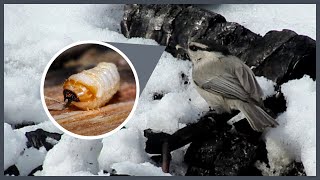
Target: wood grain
point(92, 122)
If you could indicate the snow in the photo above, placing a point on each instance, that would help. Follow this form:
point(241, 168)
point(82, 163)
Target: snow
point(267, 86)
point(295, 138)
point(46, 126)
point(143, 169)
point(125, 145)
point(261, 18)
point(48, 28)
point(14, 144)
point(16, 151)
point(30, 159)
point(72, 155)
point(177, 165)
point(174, 109)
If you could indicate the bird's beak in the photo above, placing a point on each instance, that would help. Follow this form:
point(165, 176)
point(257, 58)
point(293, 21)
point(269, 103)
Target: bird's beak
point(178, 47)
point(183, 51)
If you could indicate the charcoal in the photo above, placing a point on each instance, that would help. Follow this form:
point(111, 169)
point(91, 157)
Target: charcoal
point(263, 47)
point(197, 171)
point(232, 35)
point(24, 124)
point(12, 171)
point(279, 55)
point(204, 153)
point(155, 141)
point(38, 138)
point(244, 128)
point(191, 23)
point(276, 103)
point(294, 169)
point(235, 159)
point(114, 173)
point(193, 132)
point(39, 168)
point(157, 96)
point(184, 78)
point(220, 118)
point(282, 56)
point(149, 21)
point(204, 128)
point(226, 153)
point(169, 25)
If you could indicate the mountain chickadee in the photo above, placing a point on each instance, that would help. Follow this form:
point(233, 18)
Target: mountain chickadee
point(226, 83)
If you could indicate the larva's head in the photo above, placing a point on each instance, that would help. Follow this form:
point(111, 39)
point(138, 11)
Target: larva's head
point(70, 96)
point(76, 92)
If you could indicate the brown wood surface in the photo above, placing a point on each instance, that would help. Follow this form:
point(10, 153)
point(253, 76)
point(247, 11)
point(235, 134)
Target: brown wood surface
point(91, 122)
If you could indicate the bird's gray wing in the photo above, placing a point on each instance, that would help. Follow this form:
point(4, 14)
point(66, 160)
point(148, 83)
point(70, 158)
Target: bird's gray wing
point(225, 85)
point(237, 84)
point(249, 83)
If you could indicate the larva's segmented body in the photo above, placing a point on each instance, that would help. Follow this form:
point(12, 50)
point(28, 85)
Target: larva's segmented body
point(93, 88)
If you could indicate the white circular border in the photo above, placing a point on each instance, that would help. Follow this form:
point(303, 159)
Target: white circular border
point(45, 105)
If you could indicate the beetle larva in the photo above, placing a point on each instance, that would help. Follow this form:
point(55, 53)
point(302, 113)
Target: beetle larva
point(92, 88)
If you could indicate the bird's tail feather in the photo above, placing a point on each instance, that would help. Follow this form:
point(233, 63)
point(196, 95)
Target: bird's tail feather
point(256, 116)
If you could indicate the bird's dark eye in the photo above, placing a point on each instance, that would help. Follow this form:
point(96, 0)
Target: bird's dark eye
point(193, 48)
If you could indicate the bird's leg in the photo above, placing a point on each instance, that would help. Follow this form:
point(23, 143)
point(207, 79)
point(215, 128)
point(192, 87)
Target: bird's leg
point(165, 156)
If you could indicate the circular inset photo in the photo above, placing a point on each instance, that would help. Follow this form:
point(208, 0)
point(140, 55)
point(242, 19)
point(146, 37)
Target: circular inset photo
point(89, 89)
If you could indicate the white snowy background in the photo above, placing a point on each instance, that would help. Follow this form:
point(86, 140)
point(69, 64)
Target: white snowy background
point(34, 33)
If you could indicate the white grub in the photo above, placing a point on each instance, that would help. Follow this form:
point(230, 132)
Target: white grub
point(94, 87)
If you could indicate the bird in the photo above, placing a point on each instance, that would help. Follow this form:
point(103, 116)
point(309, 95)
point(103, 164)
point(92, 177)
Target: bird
point(226, 83)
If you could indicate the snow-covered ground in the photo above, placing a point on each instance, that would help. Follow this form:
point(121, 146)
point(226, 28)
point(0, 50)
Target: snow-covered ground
point(295, 138)
point(34, 33)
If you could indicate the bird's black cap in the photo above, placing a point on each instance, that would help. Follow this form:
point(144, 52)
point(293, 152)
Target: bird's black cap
point(210, 45)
